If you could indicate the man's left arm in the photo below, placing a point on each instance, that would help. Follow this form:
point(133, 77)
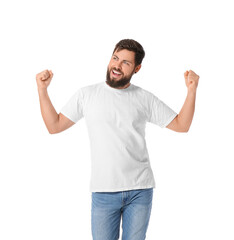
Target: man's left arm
point(182, 122)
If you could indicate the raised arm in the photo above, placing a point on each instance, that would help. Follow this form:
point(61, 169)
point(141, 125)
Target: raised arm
point(54, 122)
point(182, 122)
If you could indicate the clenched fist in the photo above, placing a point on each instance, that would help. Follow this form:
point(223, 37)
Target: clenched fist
point(43, 79)
point(191, 80)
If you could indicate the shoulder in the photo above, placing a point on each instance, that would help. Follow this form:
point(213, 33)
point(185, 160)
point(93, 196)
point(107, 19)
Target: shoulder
point(144, 92)
point(91, 87)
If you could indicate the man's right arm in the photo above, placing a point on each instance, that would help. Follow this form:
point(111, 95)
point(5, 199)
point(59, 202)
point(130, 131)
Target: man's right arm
point(54, 122)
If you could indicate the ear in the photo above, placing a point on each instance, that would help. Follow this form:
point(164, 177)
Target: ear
point(137, 68)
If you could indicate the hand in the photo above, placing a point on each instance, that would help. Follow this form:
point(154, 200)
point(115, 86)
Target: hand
point(43, 79)
point(191, 80)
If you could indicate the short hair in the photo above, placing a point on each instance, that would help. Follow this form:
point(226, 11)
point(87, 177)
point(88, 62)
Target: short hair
point(133, 46)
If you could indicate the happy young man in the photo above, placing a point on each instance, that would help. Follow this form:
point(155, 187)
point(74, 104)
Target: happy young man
point(116, 113)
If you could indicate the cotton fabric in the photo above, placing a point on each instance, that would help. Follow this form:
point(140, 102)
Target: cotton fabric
point(116, 121)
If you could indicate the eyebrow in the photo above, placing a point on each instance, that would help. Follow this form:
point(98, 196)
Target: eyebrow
point(123, 60)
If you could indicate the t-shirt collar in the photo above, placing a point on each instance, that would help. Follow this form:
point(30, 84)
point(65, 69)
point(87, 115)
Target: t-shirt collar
point(118, 90)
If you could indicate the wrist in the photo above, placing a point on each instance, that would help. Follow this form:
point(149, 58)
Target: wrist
point(42, 90)
point(192, 90)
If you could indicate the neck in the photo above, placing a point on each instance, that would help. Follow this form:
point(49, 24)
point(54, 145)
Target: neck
point(127, 85)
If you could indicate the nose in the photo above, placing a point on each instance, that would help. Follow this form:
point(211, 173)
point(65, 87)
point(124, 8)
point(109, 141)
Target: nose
point(118, 65)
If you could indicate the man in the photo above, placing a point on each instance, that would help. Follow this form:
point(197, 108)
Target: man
point(116, 113)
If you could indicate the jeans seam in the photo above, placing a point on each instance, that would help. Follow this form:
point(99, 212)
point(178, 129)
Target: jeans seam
point(122, 199)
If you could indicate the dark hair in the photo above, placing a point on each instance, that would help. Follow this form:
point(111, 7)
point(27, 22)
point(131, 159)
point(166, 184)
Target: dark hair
point(133, 46)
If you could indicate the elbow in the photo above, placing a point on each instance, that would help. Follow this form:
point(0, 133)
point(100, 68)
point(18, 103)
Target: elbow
point(52, 130)
point(182, 129)
point(185, 130)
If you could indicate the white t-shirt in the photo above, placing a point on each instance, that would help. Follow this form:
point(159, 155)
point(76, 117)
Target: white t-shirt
point(116, 120)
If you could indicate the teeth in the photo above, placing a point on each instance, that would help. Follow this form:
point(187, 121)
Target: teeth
point(116, 72)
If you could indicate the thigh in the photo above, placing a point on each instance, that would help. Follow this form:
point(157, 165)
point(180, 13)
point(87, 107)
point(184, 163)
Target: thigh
point(136, 214)
point(105, 216)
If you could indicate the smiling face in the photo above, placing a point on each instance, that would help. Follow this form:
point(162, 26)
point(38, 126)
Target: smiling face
point(121, 68)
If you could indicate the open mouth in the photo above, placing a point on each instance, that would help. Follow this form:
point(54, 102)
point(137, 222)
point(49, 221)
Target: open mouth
point(116, 73)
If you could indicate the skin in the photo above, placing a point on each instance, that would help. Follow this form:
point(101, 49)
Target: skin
point(123, 62)
point(182, 122)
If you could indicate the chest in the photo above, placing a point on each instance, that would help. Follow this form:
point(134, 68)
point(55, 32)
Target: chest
point(120, 110)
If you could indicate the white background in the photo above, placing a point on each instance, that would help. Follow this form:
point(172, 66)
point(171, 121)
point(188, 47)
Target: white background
point(44, 178)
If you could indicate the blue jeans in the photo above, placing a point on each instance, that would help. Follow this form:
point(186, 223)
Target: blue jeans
point(107, 208)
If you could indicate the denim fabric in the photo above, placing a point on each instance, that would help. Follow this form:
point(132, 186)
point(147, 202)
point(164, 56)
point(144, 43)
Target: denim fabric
point(134, 206)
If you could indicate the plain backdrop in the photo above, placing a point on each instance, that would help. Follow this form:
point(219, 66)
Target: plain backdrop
point(44, 178)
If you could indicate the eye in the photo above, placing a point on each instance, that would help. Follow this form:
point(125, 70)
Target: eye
point(114, 57)
point(125, 62)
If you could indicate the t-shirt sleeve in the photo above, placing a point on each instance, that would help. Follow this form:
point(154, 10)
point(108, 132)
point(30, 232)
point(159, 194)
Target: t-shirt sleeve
point(73, 109)
point(160, 113)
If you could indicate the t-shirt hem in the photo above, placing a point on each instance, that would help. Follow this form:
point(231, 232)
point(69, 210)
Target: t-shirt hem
point(122, 189)
point(169, 120)
point(66, 115)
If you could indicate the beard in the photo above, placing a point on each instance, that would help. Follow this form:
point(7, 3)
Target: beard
point(117, 83)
